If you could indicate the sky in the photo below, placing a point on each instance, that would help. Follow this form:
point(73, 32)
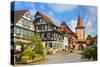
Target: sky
point(62, 12)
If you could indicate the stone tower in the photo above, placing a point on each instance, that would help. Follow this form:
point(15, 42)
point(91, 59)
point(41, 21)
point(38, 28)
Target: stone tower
point(80, 30)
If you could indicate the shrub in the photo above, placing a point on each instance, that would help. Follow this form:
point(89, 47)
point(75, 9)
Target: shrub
point(28, 54)
point(94, 52)
point(90, 52)
point(86, 53)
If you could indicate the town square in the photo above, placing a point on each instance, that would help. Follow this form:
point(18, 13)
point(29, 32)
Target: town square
point(49, 33)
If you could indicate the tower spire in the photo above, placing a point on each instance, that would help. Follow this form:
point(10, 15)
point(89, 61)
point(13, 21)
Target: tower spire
point(79, 22)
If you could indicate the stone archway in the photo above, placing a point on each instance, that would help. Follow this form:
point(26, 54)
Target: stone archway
point(80, 47)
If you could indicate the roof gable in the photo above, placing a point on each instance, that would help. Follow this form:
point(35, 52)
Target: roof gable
point(65, 29)
point(47, 19)
point(15, 16)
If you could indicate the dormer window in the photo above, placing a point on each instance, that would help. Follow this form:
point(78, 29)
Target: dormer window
point(41, 27)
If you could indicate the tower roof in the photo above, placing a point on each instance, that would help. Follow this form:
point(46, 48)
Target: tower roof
point(79, 23)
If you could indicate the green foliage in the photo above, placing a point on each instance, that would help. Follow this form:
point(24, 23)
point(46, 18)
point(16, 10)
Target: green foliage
point(36, 41)
point(18, 43)
point(89, 37)
point(28, 54)
point(90, 52)
point(86, 53)
point(94, 52)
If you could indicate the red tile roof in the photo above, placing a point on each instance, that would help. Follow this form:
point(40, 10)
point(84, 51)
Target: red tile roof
point(49, 21)
point(65, 29)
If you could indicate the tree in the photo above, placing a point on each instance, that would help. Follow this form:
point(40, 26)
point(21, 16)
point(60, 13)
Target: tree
point(89, 37)
point(86, 53)
point(94, 52)
point(90, 52)
point(33, 48)
point(35, 41)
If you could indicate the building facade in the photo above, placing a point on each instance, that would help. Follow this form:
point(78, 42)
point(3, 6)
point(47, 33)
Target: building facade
point(80, 32)
point(69, 34)
point(48, 31)
point(56, 37)
point(21, 27)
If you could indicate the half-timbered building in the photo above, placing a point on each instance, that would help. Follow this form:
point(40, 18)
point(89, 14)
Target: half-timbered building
point(21, 26)
point(48, 31)
point(68, 33)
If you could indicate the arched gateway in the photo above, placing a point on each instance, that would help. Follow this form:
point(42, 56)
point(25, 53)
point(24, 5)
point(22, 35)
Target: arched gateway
point(80, 32)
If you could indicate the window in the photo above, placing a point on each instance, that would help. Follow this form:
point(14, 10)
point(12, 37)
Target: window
point(22, 21)
point(42, 35)
point(12, 30)
point(50, 45)
point(48, 35)
point(45, 35)
point(41, 20)
point(45, 26)
point(16, 30)
point(37, 27)
point(51, 35)
point(22, 32)
point(41, 27)
point(49, 28)
point(55, 35)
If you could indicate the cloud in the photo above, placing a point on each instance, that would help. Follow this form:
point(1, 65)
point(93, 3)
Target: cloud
point(92, 10)
point(91, 27)
point(42, 7)
point(61, 7)
point(89, 24)
point(90, 21)
point(72, 24)
point(92, 14)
